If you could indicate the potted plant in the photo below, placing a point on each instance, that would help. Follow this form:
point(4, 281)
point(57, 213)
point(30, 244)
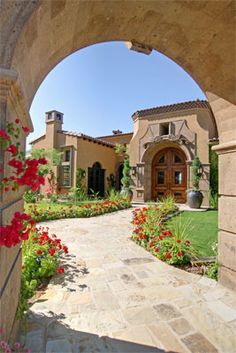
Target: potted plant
point(126, 180)
point(195, 196)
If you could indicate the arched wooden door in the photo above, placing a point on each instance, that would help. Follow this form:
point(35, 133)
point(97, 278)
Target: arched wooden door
point(169, 174)
point(96, 180)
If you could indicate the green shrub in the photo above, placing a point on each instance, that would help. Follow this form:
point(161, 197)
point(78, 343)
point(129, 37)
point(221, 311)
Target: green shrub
point(195, 173)
point(41, 257)
point(30, 196)
point(77, 194)
point(125, 181)
point(167, 204)
point(212, 270)
point(114, 195)
point(213, 159)
point(171, 246)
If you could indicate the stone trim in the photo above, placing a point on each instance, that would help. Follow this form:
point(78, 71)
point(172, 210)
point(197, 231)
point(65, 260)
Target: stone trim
point(10, 88)
point(226, 147)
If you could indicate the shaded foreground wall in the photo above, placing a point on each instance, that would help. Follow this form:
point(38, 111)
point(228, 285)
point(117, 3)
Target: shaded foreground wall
point(10, 202)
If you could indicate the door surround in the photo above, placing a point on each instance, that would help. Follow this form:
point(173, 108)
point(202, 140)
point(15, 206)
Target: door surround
point(169, 174)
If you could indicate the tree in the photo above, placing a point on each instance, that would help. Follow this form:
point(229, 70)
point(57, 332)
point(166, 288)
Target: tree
point(195, 172)
point(121, 150)
point(53, 157)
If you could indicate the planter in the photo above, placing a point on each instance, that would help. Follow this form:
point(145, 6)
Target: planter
point(195, 199)
point(127, 193)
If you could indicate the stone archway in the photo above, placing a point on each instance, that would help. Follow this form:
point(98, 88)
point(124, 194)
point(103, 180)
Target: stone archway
point(36, 35)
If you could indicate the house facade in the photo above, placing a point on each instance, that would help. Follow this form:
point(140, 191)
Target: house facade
point(95, 156)
point(161, 149)
point(165, 141)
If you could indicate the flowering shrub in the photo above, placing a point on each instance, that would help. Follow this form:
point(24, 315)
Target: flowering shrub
point(18, 230)
point(25, 170)
point(41, 260)
point(25, 173)
point(50, 212)
point(149, 232)
point(16, 348)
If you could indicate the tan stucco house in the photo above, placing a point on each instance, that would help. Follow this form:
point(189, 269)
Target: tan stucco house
point(96, 156)
point(164, 143)
point(161, 149)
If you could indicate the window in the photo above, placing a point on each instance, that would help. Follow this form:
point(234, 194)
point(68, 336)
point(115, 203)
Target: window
point(161, 160)
point(161, 177)
point(67, 156)
point(178, 159)
point(49, 116)
point(178, 178)
point(164, 129)
point(58, 116)
point(65, 175)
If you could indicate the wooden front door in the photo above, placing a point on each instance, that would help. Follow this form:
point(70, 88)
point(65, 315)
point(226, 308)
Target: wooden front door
point(96, 180)
point(169, 175)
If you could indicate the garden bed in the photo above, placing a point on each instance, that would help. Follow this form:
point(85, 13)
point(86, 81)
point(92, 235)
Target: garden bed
point(51, 211)
point(173, 240)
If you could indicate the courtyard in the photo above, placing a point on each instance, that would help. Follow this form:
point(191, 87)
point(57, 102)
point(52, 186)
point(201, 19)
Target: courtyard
point(109, 294)
point(116, 297)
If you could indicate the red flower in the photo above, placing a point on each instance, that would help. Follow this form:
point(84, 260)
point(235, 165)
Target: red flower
point(4, 135)
point(60, 270)
point(42, 161)
point(156, 249)
point(12, 149)
point(17, 121)
point(178, 241)
point(168, 255)
point(152, 243)
point(187, 242)
point(65, 249)
point(51, 251)
point(25, 129)
point(15, 163)
point(179, 254)
point(39, 252)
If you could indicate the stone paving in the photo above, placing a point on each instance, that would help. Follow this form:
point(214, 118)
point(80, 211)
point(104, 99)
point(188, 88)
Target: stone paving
point(116, 297)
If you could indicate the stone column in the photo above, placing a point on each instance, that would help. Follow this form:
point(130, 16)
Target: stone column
point(225, 114)
point(11, 106)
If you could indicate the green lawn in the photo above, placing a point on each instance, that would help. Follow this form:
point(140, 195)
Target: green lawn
point(204, 230)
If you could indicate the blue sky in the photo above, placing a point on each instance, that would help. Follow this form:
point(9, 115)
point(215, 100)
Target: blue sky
point(98, 88)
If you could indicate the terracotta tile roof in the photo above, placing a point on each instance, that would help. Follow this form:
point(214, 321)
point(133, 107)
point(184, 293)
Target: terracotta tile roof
point(90, 138)
point(173, 107)
point(115, 135)
point(37, 139)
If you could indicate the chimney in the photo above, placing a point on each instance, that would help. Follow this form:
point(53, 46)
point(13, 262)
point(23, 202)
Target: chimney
point(116, 132)
point(54, 121)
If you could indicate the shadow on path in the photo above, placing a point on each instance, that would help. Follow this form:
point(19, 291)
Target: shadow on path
point(51, 335)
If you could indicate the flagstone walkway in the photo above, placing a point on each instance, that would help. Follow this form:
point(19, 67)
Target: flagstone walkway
point(116, 297)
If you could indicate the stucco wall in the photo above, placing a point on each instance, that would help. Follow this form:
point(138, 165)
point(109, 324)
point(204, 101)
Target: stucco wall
point(202, 127)
point(90, 152)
